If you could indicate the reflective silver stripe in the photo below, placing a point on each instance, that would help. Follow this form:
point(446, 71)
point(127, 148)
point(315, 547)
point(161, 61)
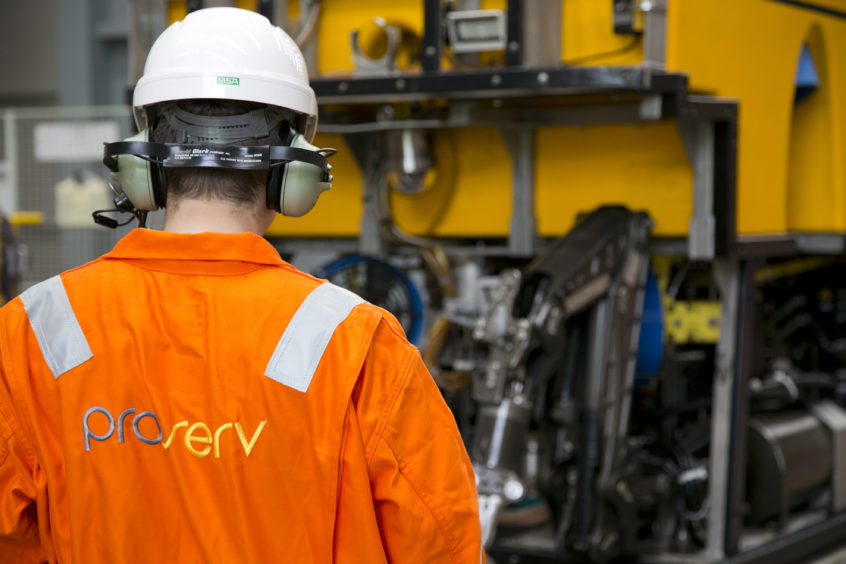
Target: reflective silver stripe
point(55, 326)
point(305, 339)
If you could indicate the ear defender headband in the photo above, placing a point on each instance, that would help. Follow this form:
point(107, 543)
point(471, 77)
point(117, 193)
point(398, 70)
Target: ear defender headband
point(297, 172)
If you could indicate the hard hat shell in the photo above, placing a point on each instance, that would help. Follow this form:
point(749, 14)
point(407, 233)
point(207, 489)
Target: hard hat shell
point(230, 54)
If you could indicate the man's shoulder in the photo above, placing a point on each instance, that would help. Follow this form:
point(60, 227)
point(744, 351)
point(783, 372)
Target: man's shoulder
point(387, 338)
point(393, 331)
point(328, 303)
point(50, 285)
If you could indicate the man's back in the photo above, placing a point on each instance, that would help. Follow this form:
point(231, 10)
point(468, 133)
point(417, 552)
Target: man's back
point(203, 401)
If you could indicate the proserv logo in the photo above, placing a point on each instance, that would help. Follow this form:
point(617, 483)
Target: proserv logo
point(197, 437)
point(229, 80)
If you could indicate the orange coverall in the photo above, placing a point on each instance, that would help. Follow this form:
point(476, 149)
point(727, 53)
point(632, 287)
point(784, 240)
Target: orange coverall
point(155, 415)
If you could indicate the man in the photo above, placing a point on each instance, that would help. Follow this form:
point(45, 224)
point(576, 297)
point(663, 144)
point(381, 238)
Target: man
point(190, 397)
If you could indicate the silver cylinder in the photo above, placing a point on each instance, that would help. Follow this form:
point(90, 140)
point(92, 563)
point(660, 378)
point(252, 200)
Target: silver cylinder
point(789, 463)
point(407, 160)
point(500, 437)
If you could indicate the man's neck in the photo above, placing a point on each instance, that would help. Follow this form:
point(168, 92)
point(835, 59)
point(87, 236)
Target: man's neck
point(216, 216)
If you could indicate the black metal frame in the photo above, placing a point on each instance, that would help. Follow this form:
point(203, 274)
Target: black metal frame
point(265, 8)
point(514, 33)
point(723, 114)
point(725, 183)
point(743, 362)
point(502, 83)
point(814, 8)
point(430, 48)
point(808, 542)
point(522, 83)
point(517, 83)
point(433, 34)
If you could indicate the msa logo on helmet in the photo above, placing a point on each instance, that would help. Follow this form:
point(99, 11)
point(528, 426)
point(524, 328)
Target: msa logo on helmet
point(229, 80)
point(198, 438)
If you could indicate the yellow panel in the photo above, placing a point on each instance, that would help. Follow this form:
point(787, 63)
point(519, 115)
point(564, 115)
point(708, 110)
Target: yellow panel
point(577, 169)
point(588, 31)
point(472, 192)
point(644, 167)
point(293, 10)
point(814, 189)
point(338, 18)
point(791, 170)
point(748, 50)
point(176, 10)
point(468, 198)
point(338, 211)
point(693, 322)
point(27, 218)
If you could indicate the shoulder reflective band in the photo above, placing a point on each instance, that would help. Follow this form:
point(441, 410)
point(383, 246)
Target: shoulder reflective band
point(59, 335)
point(305, 339)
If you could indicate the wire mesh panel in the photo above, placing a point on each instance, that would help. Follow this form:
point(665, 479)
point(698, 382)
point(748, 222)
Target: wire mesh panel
point(55, 168)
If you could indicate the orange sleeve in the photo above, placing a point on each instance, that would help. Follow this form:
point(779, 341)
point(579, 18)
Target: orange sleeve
point(422, 481)
point(19, 536)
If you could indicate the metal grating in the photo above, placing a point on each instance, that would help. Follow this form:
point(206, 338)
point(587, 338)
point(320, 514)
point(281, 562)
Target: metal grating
point(51, 153)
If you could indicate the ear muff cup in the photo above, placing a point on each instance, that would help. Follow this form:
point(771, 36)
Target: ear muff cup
point(293, 188)
point(273, 190)
point(143, 182)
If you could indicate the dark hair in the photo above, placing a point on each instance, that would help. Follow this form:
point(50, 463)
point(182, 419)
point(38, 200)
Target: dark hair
point(236, 186)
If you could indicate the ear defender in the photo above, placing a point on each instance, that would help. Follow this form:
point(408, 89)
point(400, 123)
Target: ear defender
point(297, 171)
point(293, 187)
point(142, 182)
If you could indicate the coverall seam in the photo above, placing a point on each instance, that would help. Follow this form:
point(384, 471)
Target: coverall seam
point(17, 431)
point(10, 433)
point(7, 411)
point(396, 332)
point(177, 272)
point(389, 409)
point(65, 274)
point(439, 519)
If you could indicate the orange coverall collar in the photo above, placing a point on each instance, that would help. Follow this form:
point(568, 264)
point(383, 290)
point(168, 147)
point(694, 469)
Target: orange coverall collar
point(161, 247)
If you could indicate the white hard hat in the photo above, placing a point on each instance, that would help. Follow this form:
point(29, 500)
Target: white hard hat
point(230, 54)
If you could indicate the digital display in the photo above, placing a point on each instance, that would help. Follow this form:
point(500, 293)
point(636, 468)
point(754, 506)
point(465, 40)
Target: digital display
point(473, 31)
point(482, 29)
